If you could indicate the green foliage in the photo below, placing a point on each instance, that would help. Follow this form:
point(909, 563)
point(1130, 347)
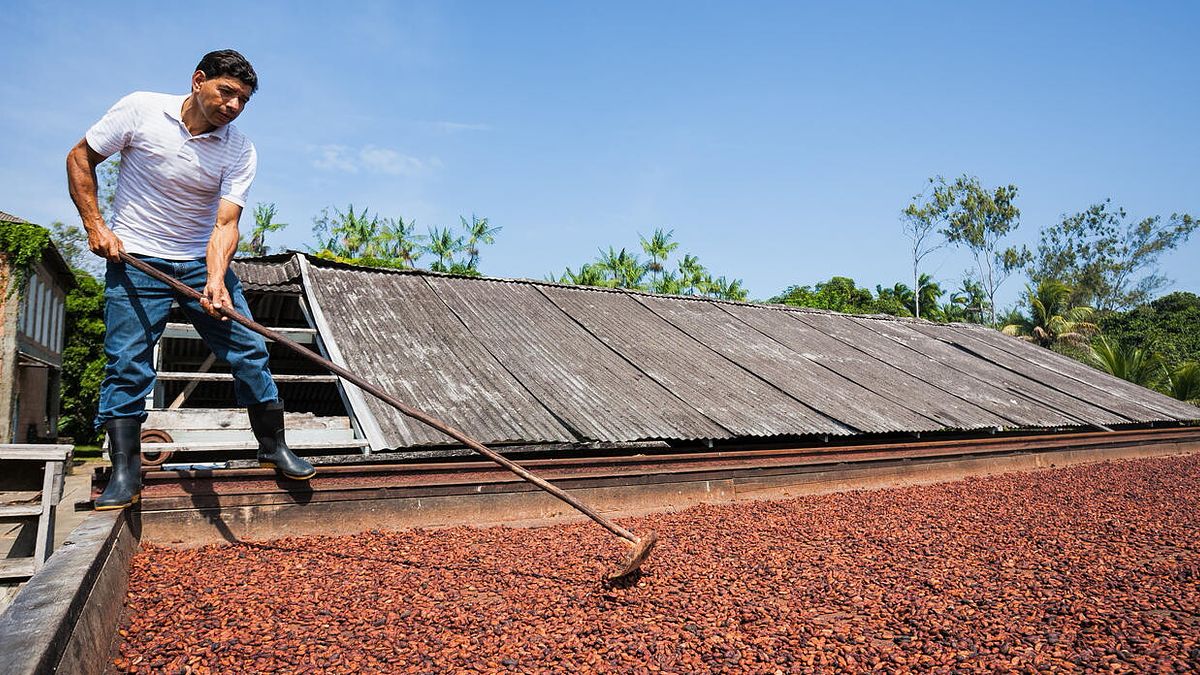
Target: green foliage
point(968, 304)
point(83, 358)
point(264, 222)
point(978, 219)
point(1051, 318)
point(1183, 382)
point(21, 244)
point(1168, 325)
point(1134, 364)
point(839, 294)
point(364, 239)
point(1102, 254)
point(623, 269)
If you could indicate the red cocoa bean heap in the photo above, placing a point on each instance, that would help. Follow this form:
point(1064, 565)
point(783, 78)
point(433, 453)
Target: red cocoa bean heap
point(1088, 568)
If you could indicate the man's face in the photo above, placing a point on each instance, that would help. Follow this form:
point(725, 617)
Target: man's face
point(221, 99)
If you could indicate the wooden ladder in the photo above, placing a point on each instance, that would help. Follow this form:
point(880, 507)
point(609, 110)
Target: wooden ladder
point(33, 505)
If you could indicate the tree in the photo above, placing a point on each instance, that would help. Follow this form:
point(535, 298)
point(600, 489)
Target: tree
point(478, 232)
point(1183, 382)
point(1134, 364)
point(1052, 319)
point(1112, 262)
point(659, 247)
point(968, 303)
point(444, 245)
point(71, 242)
point(264, 222)
point(924, 216)
point(839, 294)
point(979, 219)
point(1166, 325)
point(83, 358)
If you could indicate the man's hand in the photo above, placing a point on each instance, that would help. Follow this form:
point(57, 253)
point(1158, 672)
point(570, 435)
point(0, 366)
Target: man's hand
point(104, 243)
point(216, 298)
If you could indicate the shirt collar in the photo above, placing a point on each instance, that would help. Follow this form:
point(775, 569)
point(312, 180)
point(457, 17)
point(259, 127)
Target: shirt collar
point(174, 110)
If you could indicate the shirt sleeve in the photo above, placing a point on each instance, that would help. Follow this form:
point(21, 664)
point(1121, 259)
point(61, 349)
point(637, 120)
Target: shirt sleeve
point(235, 184)
point(115, 130)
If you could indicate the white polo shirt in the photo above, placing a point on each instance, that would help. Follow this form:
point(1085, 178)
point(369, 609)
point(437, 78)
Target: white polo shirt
point(170, 181)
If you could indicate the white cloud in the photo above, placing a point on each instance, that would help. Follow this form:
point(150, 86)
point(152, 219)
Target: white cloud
point(370, 159)
point(335, 158)
point(455, 127)
point(386, 160)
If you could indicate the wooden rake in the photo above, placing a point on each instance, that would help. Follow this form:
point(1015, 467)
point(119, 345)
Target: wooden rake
point(639, 547)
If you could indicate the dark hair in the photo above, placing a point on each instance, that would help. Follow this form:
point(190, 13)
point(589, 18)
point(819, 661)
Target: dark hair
point(227, 62)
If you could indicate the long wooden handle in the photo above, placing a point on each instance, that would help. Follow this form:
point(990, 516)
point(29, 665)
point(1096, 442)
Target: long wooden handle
point(387, 398)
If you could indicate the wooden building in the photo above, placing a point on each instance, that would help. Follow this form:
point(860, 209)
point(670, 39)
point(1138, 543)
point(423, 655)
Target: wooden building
point(32, 334)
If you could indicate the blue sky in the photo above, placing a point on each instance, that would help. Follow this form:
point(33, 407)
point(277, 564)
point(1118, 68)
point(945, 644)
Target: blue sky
point(779, 140)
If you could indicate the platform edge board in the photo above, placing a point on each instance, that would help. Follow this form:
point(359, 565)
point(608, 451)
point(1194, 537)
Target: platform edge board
point(65, 618)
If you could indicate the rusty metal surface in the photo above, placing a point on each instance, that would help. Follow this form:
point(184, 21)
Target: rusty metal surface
point(396, 332)
point(784, 367)
point(1092, 379)
point(168, 490)
point(724, 392)
point(1042, 400)
point(590, 388)
point(886, 377)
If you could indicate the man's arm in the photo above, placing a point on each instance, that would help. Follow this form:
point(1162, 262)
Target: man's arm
point(81, 182)
point(222, 246)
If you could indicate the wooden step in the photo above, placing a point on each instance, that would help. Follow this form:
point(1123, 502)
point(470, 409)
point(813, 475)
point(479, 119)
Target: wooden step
point(251, 445)
point(16, 568)
point(228, 377)
point(187, 331)
point(19, 511)
point(209, 419)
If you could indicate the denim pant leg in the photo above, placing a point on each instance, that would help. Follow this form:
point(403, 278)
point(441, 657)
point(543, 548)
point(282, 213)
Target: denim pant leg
point(135, 314)
point(244, 350)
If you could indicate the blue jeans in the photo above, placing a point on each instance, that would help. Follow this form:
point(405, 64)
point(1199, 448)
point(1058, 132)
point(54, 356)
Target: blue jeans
point(135, 315)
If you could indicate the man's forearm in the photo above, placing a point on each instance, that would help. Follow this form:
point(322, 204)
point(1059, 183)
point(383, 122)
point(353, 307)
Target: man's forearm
point(222, 246)
point(81, 183)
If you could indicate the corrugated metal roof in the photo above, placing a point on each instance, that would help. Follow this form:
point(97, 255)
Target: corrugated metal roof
point(788, 370)
point(567, 368)
point(1137, 404)
point(10, 218)
point(536, 362)
point(279, 273)
point(394, 330)
point(724, 392)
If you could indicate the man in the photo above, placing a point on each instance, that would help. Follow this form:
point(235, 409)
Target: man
point(185, 173)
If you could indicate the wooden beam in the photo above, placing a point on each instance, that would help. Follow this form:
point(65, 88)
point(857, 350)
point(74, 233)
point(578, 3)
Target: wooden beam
point(186, 331)
point(45, 453)
point(191, 386)
point(227, 377)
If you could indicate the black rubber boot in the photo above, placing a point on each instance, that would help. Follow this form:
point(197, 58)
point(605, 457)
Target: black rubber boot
point(125, 450)
point(266, 419)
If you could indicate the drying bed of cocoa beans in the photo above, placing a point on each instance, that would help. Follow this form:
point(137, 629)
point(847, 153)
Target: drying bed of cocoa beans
point(1092, 568)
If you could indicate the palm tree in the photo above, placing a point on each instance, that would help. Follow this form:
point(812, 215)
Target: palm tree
point(444, 245)
point(400, 242)
point(1137, 365)
point(658, 247)
point(691, 275)
point(264, 222)
point(589, 274)
point(1051, 318)
point(478, 232)
point(969, 301)
point(1183, 383)
point(625, 269)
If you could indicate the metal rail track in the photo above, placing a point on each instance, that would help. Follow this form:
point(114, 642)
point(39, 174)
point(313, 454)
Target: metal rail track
point(184, 490)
